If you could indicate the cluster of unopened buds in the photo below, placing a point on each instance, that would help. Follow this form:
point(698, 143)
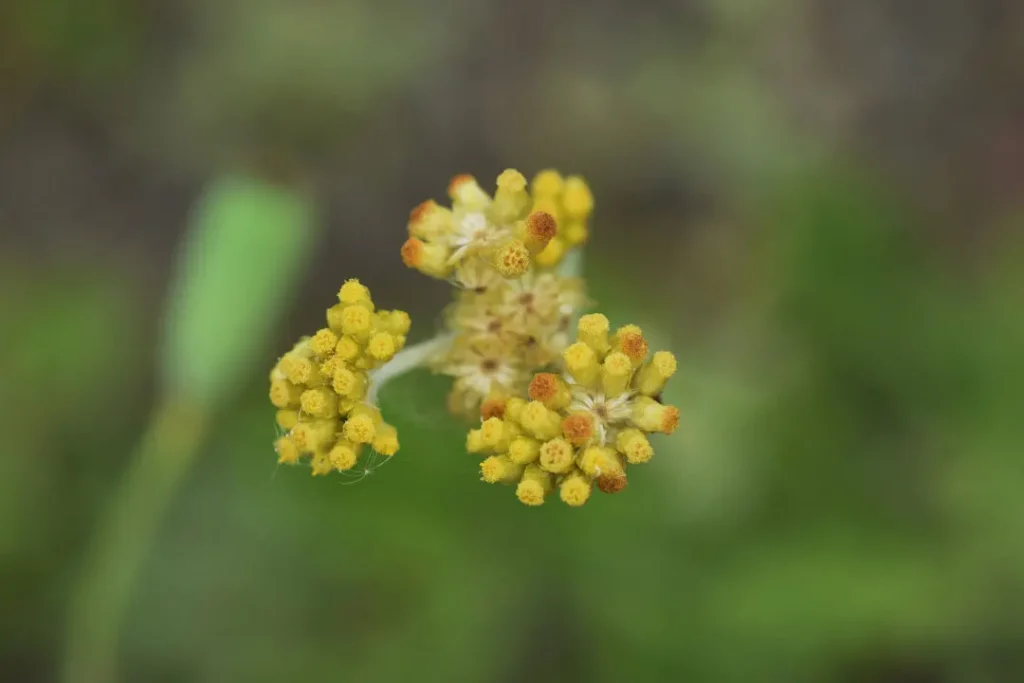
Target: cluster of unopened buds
point(562, 401)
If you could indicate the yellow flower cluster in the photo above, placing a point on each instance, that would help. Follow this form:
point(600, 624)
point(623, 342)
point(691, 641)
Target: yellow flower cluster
point(482, 239)
point(320, 387)
point(581, 428)
point(512, 315)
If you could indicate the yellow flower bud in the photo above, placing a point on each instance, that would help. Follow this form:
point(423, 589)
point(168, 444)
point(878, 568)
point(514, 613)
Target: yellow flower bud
point(596, 461)
point(347, 349)
point(323, 342)
point(354, 292)
point(303, 371)
point(350, 384)
point(576, 198)
point(355, 322)
point(287, 451)
point(652, 376)
point(330, 366)
point(574, 489)
point(552, 254)
point(578, 428)
point(630, 341)
point(534, 485)
point(547, 183)
point(359, 428)
point(612, 483)
point(634, 445)
point(381, 346)
point(514, 408)
point(314, 435)
point(498, 468)
point(592, 330)
point(386, 440)
point(538, 230)
point(549, 205)
point(347, 405)
point(581, 362)
point(511, 198)
point(321, 464)
point(430, 258)
point(467, 194)
point(284, 394)
point(396, 322)
point(321, 402)
point(287, 419)
point(551, 390)
point(523, 450)
point(493, 406)
point(651, 416)
point(497, 434)
point(556, 456)
point(540, 421)
point(576, 234)
point(475, 442)
point(343, 456)
point(616, 372)
point(430, 221)
point(512, 259)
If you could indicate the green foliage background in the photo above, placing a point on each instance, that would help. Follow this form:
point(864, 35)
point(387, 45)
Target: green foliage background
point(836, 261)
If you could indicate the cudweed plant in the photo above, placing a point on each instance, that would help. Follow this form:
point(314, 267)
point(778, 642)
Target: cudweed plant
point(558, 408)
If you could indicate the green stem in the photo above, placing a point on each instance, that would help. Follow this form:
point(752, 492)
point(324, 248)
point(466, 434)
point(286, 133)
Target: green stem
point(123, 539)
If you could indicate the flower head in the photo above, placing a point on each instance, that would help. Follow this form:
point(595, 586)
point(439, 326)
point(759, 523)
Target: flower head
point(482, 239)
point(512, 315)
point(320, 387)
point(581, 429)
point(505, 334)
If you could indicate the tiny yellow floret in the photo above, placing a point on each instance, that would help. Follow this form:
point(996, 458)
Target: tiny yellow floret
point(574, 489)
point(343, 456)
point(634, 445)
point(534, 485)
point(354, 292)
point(323, 342)
point(287, 419)
point(284, 394)
point(321, 464)
point(523, 450)
point(349, 383)
point(592, 330)
point(556, 456)
point(576, 198)
point(355, 321)
point(381, 346)
point(385, 441)
point(653, 375)
point(581, 361)
point(321, 402)
point(616, 372)
point(498, 468)
point(512, 259)
point(547, 183)
point(287, 451)
point(540, 421)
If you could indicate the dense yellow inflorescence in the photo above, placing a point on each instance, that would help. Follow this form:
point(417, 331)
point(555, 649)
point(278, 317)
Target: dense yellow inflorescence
point(512, 314)
point(320, 387)
point(580, 429)
point(482, 239)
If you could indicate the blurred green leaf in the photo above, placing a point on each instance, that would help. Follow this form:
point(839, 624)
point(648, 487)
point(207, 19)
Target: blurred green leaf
point(243, 255)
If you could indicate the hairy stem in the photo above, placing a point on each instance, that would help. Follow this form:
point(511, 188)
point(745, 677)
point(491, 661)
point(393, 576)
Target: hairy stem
point(124, 536)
